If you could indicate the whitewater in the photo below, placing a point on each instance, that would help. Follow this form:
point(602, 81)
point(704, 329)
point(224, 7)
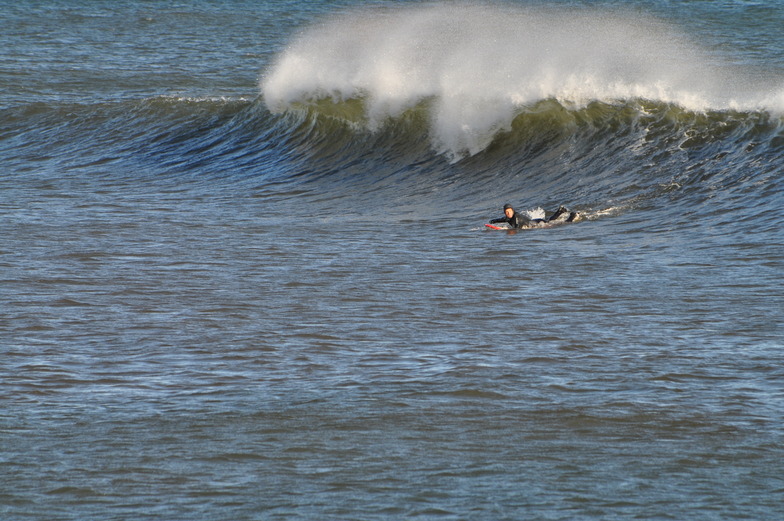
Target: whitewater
point(477, 67)
point(245, 273)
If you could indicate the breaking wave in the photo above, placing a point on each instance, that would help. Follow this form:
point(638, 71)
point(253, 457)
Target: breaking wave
point(477, 68)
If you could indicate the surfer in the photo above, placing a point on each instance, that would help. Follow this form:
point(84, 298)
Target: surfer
point(517, 220)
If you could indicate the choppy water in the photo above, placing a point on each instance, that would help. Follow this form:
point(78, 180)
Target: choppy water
point(244, 273)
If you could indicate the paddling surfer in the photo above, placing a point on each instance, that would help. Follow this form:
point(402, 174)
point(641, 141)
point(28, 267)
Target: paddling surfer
point(517, 220)
point(512, 218)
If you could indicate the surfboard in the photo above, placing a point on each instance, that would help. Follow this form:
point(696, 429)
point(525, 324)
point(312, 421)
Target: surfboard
point(494, 227)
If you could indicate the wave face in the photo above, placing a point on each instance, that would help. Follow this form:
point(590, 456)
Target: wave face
point(410, 110)
point(606, 158)
point(475, 68)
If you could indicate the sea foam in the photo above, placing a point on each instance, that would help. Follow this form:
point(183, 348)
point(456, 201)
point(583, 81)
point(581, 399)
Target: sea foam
point(477, 66)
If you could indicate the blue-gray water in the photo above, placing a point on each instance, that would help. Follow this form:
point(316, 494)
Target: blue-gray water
point(245, 275)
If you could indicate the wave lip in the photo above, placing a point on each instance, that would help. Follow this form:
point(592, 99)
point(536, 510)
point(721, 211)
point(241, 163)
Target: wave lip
point(476, 67)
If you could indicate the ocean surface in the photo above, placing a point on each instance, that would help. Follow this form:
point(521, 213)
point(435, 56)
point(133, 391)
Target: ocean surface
point(244, 273)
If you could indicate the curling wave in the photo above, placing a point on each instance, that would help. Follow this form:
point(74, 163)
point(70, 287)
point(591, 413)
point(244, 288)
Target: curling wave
point(603, 157)
point(478, 67)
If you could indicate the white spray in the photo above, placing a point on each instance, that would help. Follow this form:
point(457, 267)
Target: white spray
point(479, 65)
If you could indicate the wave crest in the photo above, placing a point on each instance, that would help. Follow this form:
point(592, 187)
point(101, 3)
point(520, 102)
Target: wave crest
point(477, 67)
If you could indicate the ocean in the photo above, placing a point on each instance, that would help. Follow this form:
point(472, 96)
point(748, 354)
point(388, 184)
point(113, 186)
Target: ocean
point(245, 273)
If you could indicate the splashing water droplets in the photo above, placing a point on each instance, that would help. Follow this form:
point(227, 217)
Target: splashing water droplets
point(478, 66)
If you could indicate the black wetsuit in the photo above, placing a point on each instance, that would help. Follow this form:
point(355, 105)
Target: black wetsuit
point(518, 220)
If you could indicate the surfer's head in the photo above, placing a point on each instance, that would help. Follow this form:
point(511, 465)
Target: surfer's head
point(508, 211)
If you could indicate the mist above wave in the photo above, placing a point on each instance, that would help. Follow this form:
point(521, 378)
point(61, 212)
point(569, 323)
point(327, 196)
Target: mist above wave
point(476, 66)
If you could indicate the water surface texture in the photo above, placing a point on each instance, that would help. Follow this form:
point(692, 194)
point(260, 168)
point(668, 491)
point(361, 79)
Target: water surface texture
point(245, 275)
